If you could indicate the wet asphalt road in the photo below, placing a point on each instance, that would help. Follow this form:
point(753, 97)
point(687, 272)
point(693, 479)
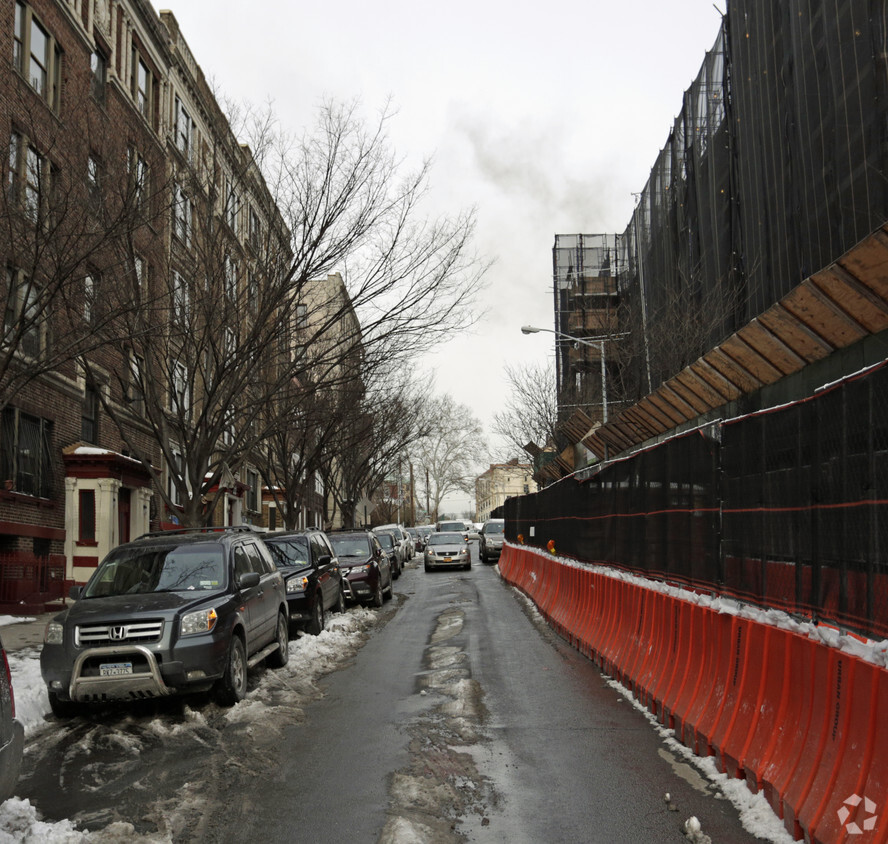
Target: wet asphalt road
point(464, 719)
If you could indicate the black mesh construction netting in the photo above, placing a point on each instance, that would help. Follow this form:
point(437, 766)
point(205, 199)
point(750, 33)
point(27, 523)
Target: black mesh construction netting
point(776, 165)
point(784, 508)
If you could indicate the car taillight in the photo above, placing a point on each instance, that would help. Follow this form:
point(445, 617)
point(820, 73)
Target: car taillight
point(9, 683)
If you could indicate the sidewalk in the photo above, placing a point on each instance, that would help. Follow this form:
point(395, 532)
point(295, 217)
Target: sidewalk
point(27, 633)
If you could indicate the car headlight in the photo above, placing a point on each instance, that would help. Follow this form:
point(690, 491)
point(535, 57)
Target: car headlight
point(430, 552)
point(464, 552)
point(54, 633)
point(201, 621)
point(297, 584)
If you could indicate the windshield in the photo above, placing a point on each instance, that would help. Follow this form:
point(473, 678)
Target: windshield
point(292, 551)
point(350, 546)
point(446, 539)
point(493, 527)
point(452, 526)
point(130, 571)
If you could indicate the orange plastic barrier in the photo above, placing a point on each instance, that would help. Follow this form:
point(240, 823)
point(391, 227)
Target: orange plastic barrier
point(799, 720)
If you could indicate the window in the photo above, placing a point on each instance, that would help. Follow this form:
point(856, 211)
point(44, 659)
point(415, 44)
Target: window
point(232, 207)
point(253, 292)
point(174, 471)
point(26, 456)
point(94, 176)
point(87, 509)
point(230, 269)
point(24, 319)
point(142, 86)
point(255, 229)
point(252, 491)
point(134, 393)
point(272, 518)
point(184, 128)
point(36, 55)
point(181, 299)
point(98, 66)
point(180, 396)
point(139, 176)
point(29, 176)
point(140, 276)
point(182, 215)
point(89, 296)
point(89, 418)
point(301, 321)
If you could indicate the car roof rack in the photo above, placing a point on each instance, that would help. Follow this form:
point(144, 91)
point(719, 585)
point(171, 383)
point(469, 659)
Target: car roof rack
point(202, 529)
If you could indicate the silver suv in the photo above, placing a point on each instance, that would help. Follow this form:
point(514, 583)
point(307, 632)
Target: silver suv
point(491, 544)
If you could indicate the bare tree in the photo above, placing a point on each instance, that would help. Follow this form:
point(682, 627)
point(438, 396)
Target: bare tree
point(236, 322)
point(531, 409)
point(373, 436)
point(449, 455)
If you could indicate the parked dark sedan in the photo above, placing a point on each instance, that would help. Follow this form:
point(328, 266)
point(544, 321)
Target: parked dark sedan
point(366, 571)
point(312, 576)
point(12, 733)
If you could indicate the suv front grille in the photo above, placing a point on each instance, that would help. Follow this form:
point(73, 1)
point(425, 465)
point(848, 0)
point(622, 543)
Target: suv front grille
point(101, 635)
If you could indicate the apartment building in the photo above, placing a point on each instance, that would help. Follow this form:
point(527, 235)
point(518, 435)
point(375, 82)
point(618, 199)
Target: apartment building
point(145, 327)
point(499, 482)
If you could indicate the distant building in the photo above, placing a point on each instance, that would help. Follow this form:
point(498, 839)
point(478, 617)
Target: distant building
point(499, 482)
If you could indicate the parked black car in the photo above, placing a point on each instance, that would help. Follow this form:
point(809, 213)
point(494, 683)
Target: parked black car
point(366, 571)
point(12, 733)
point(312, 576)
point(170, 613)
point(390, 543)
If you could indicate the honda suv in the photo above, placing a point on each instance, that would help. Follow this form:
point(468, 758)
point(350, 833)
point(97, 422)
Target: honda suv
point(171, 613)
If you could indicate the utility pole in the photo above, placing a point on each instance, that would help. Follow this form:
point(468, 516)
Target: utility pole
point(428, 509)
point(412, 497)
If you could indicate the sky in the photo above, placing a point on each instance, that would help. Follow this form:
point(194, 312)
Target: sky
point(546, 119)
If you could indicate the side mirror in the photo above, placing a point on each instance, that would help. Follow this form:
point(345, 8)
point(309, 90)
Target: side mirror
point(324, 560)
point(248, 580)
point(75, 592)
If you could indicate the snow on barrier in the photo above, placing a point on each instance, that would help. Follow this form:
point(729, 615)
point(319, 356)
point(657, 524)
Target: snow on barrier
point(795, 717)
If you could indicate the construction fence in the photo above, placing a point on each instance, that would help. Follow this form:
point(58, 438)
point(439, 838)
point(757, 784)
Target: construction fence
point(785, 508)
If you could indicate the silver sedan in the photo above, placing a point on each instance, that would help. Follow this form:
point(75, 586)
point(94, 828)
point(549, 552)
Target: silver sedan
point(447, 549)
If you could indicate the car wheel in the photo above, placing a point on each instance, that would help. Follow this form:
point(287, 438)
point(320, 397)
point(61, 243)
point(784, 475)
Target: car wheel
point(427, 567)
point(316, 625)
point(377, 596)
point(340, 602)
point(62, 708)
point(388, 593)
point(233, 685)
point(281, 656)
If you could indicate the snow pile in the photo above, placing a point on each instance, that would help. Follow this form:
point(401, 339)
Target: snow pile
point(311, 657)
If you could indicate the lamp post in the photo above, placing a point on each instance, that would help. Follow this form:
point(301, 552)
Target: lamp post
point(596, 343)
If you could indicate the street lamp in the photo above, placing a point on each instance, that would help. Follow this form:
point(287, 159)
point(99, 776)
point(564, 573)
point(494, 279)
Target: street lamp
point(596, 343)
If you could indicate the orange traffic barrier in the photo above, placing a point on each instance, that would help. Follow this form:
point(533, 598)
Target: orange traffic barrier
point(682, 659)
point(695, 677)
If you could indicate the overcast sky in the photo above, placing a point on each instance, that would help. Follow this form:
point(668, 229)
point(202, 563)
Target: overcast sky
point(546, 118)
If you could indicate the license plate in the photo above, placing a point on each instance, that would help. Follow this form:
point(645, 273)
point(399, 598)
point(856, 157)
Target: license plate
point(448, 559)
point(115, 669)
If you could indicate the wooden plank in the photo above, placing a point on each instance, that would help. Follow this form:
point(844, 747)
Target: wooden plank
point(856, 300)
point(704, 393)
point(690, 395)
point(659, 420)
point(801, 339)
point(666, 409)
point(668, 394)
point(748, 358)
point(771, 348)
point(816, 310)
point(644, 423)
point(736, 374)
point(716, 379)
point(868, 262)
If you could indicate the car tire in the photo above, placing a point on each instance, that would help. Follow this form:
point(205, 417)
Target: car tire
point(390, 592)
point(233, 685)
point(62, 708)
point(281, 656)
point(339, 606)
point(427, 567)
point(377, 595)
point(316, 625)
point(396, 570)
